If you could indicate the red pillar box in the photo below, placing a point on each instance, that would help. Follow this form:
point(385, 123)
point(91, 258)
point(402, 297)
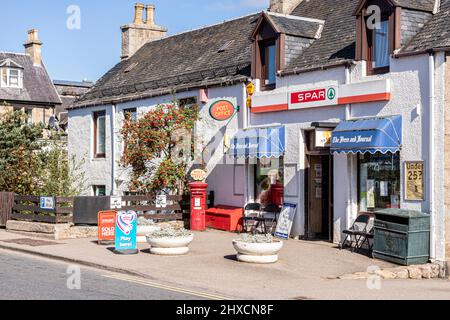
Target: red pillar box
point(277, 193)
point(198, 205)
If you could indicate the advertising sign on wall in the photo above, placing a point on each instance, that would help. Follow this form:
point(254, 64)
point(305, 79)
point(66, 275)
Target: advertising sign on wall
point(286, 220)
point(47, 203)
point(414, 180)
point(326, 96)
point(222, 110)
point(126, 227)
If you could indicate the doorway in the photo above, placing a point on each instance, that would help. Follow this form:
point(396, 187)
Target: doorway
point(318, 191)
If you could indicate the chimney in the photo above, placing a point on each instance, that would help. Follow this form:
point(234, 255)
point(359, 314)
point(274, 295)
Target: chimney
point(138, 14)
point(33, 47)
point(135, 35)
point(283, 6)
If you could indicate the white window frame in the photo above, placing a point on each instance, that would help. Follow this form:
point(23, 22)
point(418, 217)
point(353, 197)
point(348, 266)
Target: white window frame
point(7, 84)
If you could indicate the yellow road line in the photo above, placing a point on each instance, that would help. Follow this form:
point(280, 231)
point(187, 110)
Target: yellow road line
point(166, 287)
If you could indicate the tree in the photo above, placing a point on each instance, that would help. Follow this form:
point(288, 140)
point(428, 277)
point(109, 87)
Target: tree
point(152, 148)
point(30, 165)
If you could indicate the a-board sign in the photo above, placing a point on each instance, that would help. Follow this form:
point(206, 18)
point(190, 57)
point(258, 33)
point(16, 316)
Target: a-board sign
point(47, 203)
point(116, 203)
point(286, 220)
point(106, 226)
point(126, 231)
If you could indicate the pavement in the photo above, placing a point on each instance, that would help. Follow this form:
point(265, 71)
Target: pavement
point(306, 270)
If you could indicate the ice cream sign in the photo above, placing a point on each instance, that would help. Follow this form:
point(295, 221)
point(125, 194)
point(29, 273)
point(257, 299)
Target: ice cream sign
point(326, 96)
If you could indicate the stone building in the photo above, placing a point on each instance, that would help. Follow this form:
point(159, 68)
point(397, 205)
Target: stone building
point(25, 84)
point(342, 111)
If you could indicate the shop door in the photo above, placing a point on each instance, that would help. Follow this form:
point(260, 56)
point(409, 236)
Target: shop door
point(319, 195)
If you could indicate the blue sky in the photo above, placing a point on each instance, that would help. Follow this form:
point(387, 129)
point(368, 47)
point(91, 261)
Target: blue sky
point(87, 53)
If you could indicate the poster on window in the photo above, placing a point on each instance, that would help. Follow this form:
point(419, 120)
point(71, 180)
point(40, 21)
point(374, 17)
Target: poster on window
point(286, 220)
point(414, 184)
point(370, 194)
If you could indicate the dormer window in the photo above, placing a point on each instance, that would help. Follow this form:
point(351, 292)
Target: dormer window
point(377, 34)
point(11, 78)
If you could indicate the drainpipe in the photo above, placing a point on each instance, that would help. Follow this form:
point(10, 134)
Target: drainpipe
point(113, 150)
point(348, 80)
point(431, 155)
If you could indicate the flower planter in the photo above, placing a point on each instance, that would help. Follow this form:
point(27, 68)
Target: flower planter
point(261, 253)
point(142, 232)
point(169, 246)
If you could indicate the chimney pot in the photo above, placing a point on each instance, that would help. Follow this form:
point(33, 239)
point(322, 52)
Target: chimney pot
point(150, 15)
point(283, 6)
point(139, 14)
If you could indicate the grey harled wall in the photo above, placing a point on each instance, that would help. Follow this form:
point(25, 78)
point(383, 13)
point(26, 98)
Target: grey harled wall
point(294, 47)
point(411, 22)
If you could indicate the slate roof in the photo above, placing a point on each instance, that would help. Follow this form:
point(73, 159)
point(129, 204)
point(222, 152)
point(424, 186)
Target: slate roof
point(187, 60)
point(423, 5)
point(435, 34)
point(337, 41)
point(296, 26)
point(37, 85)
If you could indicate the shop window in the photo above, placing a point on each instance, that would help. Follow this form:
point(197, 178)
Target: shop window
point(269, 181)
point(379, 181)
point(99, 191)
point(99, 134)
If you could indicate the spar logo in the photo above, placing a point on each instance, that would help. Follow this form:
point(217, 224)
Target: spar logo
point(313, 96)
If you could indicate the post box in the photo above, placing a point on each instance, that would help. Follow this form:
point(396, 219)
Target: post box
point(277, 194)
point(198, 205)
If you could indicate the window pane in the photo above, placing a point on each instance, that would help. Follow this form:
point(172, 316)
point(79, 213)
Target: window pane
point(99, 191)
point(101, 134)
point(271, 64)
point(132, 113)
point(14, 78)
point(4, 77)
point(381, 42)
point(379, 181)
point(269, 174)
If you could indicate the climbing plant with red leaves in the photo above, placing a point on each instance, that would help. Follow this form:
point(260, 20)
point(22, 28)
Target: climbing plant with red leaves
point(151, 148)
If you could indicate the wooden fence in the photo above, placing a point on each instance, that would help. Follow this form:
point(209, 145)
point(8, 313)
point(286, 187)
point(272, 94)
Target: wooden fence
point(27, 208)
point(147, 203)
point(6, 206)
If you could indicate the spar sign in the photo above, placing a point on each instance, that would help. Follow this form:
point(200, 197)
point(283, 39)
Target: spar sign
point(310, 98)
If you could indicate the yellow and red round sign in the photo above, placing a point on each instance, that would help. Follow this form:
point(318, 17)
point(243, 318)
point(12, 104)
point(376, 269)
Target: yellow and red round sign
point(222, 110)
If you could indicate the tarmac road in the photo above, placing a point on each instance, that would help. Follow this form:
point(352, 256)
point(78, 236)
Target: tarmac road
point(24, 277)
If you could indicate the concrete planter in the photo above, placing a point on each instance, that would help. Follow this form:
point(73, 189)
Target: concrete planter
point(261, 253)
point(142, 232)
point(170, 246)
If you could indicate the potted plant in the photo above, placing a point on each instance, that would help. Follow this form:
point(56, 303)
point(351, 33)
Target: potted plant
point(261, 249)
point(144, 227)
point(170, 241)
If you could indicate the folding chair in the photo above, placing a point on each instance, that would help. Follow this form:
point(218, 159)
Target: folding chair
point(270, 215)
point(252, 213)
point(365, 236)
point(353, 235)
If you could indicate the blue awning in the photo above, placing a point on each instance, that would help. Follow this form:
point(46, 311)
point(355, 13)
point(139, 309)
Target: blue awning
point(259, 143)
point(368, 136)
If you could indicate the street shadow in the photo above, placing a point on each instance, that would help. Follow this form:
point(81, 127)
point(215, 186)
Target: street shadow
point(147, 251)
point(231, 257)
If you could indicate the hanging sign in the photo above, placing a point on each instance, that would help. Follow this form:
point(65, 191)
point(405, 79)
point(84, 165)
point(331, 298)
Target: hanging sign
point(414, 182)
point(125, 235)
point(286, 220)
point(198, 175)
point(323, 138)
point(222, 110)
point(106, 226)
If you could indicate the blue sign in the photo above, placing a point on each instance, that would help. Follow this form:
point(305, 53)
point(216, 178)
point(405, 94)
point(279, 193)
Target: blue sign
point(126, 227)
point(47, 203)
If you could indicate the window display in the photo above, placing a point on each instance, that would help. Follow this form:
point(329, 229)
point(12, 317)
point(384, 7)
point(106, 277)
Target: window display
point(269, 181)
point(379, 181)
